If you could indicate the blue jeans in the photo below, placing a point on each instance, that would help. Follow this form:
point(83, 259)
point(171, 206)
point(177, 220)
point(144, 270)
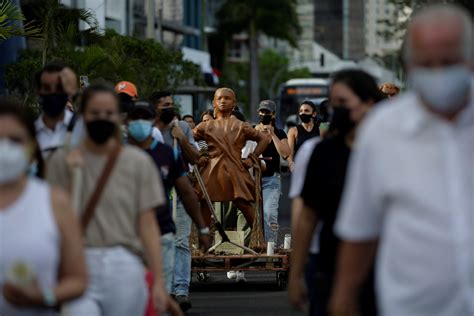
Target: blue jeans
point(182, 267)
point(116, 284)
point(167, 258)
point(271, 191)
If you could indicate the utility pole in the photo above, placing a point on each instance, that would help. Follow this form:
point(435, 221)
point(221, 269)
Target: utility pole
point(150, 19)
point(160, 23)
point(345, 29)
point(203, 36)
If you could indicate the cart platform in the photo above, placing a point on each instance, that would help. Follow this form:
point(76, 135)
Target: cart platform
point(202, 265)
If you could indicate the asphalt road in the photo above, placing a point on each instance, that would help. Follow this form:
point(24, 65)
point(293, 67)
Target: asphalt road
point(259, 296)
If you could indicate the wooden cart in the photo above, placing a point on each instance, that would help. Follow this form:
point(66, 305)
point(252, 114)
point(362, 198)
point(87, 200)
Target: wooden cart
point(203, 264)
point(279, 263)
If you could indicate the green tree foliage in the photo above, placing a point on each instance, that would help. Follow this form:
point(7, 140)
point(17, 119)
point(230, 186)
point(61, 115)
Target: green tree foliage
point(11, 22)
point(113, 58)
point(274, 71)
point(236, 76)
point(274, 18)
point(59, 24)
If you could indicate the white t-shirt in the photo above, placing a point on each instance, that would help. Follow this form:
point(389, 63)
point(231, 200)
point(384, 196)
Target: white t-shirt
point(156, 134)
point(50, 140)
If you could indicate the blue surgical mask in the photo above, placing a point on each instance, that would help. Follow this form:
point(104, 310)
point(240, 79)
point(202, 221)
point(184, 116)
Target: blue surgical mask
point(140, 129)
point(444, 89)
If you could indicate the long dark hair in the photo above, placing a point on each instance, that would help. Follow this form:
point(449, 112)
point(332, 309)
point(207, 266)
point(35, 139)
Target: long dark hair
point(12, 107)
point(361, 83)
point(207, 112)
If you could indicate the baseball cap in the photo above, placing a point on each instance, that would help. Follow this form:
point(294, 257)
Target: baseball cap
point(127, 88)
point(267, 105)
point(144, 107)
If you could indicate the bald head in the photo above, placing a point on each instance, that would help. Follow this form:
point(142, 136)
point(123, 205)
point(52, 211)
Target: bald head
point(440, 35)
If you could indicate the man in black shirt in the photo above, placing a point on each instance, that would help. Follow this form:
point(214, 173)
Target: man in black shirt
point(271, 180)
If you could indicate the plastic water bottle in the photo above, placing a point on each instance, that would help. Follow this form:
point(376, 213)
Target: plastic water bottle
point(287, 242)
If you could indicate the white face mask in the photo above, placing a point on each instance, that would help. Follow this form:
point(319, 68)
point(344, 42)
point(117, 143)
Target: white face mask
point(443, 89)
point(13, 160)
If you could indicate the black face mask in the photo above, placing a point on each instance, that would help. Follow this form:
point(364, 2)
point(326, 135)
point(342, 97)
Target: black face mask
point(126, 103)
point(100, 130)
point(341, 120)
point(167, 115)
point(53, 104)
point(265, 119)
point(306, 118)
point(126, 107)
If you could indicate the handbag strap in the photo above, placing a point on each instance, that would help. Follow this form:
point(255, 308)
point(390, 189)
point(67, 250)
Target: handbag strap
point(91, 204)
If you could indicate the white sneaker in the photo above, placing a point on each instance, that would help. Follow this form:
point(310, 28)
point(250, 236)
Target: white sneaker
point(240, 277)
point(231, 275)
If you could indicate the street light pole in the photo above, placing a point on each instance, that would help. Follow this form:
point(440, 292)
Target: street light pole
point(274, 79)
point(345, 29)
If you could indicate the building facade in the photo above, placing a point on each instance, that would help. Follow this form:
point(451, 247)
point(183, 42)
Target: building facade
point(376, 13)
point(339, 26)
point(304, 52)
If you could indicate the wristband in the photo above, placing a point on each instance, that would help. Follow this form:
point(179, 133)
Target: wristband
point(204, 231)
point(49, 299)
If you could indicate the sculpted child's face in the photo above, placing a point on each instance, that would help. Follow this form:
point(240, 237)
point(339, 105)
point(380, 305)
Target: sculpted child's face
point(224, 101)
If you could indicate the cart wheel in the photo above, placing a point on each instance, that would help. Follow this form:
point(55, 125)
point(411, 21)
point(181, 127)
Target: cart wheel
point(282, 280)
point(203, 276)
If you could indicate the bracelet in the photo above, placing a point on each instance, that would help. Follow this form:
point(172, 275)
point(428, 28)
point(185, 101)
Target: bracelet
point(204, 231)
point(49, 299)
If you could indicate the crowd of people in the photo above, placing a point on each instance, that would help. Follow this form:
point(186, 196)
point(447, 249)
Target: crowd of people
point(383, 216)
point(105, 176)
point(98, 195)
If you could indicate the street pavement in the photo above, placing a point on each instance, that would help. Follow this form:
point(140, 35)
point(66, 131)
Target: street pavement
point(259, 296)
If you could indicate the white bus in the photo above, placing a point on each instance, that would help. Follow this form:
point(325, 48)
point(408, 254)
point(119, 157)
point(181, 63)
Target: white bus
point(294, 92)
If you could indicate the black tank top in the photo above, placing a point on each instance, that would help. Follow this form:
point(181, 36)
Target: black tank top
point(304, 135)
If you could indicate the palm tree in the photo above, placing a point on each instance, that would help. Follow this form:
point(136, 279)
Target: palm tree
point(59, 24)
point(11, 21)
point(275, 18)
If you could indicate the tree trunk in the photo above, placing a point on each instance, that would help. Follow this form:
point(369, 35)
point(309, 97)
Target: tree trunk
point(254, 73)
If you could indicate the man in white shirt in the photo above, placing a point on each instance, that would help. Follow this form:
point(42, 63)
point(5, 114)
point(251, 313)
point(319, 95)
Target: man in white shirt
point(55, 85)
point(410, 190)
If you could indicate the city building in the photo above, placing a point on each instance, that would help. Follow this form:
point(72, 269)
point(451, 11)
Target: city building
point(377, 12)
point(304, 52)
point(339, 26)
